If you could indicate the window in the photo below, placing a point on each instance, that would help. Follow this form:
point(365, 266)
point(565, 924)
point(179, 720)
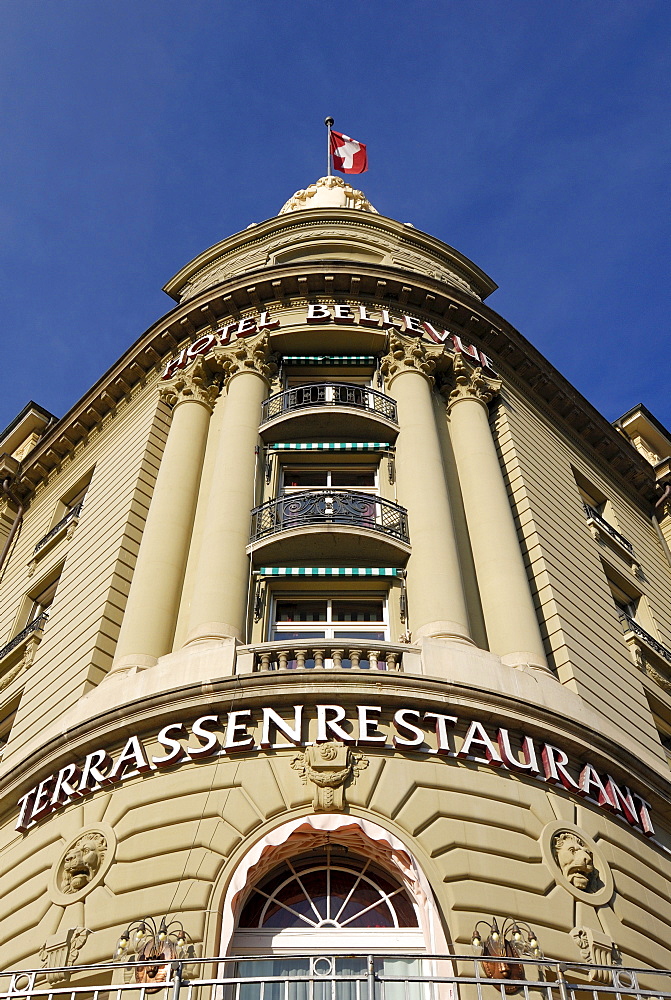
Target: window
point(7, 716)
point(329, 618)
point(626, 601)
point(42, 601)
point(340, 477)
point(328, 890)
point(591, 494)
point(661, 715)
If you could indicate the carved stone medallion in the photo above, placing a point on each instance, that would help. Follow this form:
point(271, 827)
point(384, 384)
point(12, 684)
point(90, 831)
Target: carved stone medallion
point(329, 766)
point(82, 865)
point(576, 863)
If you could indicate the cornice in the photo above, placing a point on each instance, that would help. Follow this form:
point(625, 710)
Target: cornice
point(517, 360)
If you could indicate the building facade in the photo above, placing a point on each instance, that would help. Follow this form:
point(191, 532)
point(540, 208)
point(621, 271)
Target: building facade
point(335, 622)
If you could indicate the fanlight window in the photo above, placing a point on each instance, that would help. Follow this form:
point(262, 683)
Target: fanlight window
point(328, 891)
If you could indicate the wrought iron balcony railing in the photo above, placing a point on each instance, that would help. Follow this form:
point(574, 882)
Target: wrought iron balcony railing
point(593, 514)
point(64, 521)
point(328, 975)
point(328, 507)
point(631, 625)
point(329, 394)
point(328, 654)
point(36, 625)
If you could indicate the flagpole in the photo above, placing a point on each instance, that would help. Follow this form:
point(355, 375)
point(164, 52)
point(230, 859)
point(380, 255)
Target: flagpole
point(329, 125)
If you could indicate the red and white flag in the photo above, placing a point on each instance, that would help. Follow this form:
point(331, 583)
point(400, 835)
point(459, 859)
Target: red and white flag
point(349, 156)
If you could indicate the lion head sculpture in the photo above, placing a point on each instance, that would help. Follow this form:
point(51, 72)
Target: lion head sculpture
point(82, 862)
point(575, 860)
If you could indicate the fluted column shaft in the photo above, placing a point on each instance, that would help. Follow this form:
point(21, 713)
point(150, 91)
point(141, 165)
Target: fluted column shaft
point(510, 617)
point(436, 602)
point(153, 600)
point(219, 602)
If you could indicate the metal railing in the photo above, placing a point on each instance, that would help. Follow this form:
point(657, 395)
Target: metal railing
point(631, 625)
point(332, 976)
point(36, 625)
point(326, 507)
point(328, 654)
point(594, 515)
point(71, 514)
point(328, 394)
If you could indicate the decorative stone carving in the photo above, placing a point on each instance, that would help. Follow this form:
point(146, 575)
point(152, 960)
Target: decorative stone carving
point(575, 859)
point(597, 949)
point(408, 355)
point(82, 865)
point(576, 863)
point(329, 766)
point(196, 383)
point(26, 661)
point(250, 354)
point(470, 383)
point(61, 950)
point(82, 861)
point(328, 192)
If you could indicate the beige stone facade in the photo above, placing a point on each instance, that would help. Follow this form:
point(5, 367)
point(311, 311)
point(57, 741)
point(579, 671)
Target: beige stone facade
point(334, 564)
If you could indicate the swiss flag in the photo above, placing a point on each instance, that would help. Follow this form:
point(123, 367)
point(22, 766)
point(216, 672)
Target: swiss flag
point(349, 156)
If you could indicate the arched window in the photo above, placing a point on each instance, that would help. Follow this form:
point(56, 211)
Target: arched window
point(328, 890)
point(328, 899)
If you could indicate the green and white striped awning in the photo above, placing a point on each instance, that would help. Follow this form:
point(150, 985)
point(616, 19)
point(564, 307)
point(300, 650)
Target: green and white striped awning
point(361, 360)
point(328, 571)
point(329, 446)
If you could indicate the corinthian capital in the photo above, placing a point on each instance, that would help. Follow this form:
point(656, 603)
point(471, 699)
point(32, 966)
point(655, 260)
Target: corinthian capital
point(196, 384)
point(470, 383)
point(249, 355)
point(407, 355)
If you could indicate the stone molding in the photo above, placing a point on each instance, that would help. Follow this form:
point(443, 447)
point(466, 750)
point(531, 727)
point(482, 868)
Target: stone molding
point(197, 384)
point(406, 355)
point(470, 383)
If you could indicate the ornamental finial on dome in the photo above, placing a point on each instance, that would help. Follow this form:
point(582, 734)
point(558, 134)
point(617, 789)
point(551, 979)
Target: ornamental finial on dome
point(328, 192)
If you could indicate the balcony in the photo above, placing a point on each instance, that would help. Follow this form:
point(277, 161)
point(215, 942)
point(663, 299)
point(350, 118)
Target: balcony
point(64, 529)
point(311, 409)
point(329, 524)
point(337, 974)
point(329, 654)
point(33, 629)
point(649, 655)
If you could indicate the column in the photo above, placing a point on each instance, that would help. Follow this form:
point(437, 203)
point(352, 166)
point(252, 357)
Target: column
point(510, 617)
point(219, 603)
point(436, 603)
point(149, 621)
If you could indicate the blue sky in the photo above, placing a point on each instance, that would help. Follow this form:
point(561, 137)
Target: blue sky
point(532, 135)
